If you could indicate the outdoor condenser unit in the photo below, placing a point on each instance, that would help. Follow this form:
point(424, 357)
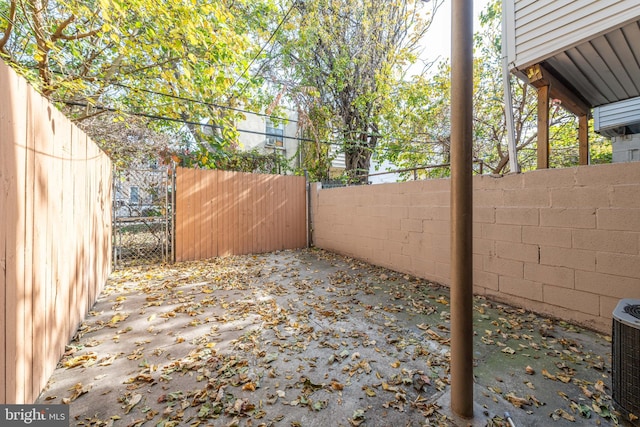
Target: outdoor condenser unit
point(626, 356)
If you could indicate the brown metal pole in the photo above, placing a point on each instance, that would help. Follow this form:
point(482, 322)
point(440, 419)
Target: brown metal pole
point(461, 208)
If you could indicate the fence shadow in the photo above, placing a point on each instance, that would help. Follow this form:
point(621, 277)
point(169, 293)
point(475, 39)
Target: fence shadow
point(55, 234)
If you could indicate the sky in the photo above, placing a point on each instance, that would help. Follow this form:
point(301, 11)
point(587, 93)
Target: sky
point(437, 46)
point(437, 41)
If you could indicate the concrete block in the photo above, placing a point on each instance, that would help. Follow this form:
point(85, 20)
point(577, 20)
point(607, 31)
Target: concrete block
point(504, 267)
point(436, 227)
point(570, 258)
point(485, 279)
point(484, 246)
point(488, 198)
point(572, 299)
point(550, 275)
point(549, 178)
point(626, 196)
point(580, 197)
point(517, 216)
point(408, 224)
point(521, 287)
point(528, 197)
point(443, 272)
point(607, 241)
point(618, 264)
point(618, 219)
point(614, 285)
point(517, 251)
point(498, 181)
point(613, 174)
point(484, 215)
point(547, 236)
point(501, 232)
point(568, 217)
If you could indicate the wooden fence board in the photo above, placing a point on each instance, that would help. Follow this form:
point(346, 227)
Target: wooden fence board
point(6, 162)
point(42, 289)
point(212, 187)
point(15, 340)
point(39, 253)
point(237, 213)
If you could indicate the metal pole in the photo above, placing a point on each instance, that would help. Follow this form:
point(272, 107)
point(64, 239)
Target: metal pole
point(508, 100)
point(461, 208)
point(308, 194)
point(114, 219)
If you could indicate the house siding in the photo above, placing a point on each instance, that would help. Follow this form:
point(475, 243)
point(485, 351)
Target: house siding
point(539, 29)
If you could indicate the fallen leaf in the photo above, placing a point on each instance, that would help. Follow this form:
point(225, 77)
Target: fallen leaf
point(335, 385)
point(516, 401)
point(564, 378)
point(561, 413)
point(133, 401)
point(548, 375)
point(78, 390)
point(250, 386)
point(84, 360)
point(117, 318)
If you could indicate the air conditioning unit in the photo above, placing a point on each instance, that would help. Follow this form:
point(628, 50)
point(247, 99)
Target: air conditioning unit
point(270, 142)
point(625, 357)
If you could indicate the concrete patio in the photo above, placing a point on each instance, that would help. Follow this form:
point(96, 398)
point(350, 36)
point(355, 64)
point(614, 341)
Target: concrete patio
point(310, 338)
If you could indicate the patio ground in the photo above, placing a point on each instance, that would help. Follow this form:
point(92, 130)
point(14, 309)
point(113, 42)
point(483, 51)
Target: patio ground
point(310, 338)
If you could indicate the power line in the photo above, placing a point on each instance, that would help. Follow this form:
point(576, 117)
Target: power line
point(182, 98)
point(213, 126)
point(273, 34)
point(197, 101)
point(186, 122)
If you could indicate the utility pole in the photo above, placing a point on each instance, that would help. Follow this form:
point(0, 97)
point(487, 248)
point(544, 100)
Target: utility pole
point(461, 208)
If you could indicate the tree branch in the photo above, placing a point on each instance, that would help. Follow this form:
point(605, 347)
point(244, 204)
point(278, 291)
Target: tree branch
point(7, 32)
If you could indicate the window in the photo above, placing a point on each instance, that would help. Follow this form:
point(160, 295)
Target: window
point(275, 134)
point(134, 197)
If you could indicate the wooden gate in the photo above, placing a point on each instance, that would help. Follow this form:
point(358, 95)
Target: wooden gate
point(221, 213)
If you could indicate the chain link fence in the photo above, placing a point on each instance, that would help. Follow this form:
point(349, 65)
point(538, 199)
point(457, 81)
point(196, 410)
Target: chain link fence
point(142, 216)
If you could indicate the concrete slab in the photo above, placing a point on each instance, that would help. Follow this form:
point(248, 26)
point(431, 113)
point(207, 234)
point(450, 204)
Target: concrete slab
point(310, 338)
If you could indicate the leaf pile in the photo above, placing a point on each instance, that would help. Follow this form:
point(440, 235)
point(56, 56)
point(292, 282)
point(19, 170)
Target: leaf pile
point(303, 338)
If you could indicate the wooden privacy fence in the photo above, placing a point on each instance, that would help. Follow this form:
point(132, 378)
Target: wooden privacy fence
point(55, 235)
point(220, 213)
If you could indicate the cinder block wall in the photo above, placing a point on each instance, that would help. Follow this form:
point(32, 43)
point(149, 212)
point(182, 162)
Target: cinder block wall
point(564, 242)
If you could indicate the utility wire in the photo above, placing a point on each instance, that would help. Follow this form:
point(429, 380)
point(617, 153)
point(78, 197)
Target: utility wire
point(213, 126)
point(188, 122)
point(210, 104)
point(273, 34)
point(182, 98)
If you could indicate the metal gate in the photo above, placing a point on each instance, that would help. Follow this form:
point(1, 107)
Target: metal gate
point(142, 216)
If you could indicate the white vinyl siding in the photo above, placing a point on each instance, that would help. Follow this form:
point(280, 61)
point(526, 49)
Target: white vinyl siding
point(617, 114)
point(539, 29)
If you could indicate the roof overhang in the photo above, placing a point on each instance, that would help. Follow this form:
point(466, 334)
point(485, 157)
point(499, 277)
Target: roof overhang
point(596, 72)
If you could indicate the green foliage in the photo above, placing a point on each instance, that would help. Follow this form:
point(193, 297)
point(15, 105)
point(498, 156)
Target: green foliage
point(233, 160)
point(171, 61)
point(339, 60)
point(417, 131)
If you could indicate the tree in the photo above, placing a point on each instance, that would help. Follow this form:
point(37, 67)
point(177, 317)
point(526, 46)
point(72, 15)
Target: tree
point(339, 60)
point(176, 63)
point(417, 132)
